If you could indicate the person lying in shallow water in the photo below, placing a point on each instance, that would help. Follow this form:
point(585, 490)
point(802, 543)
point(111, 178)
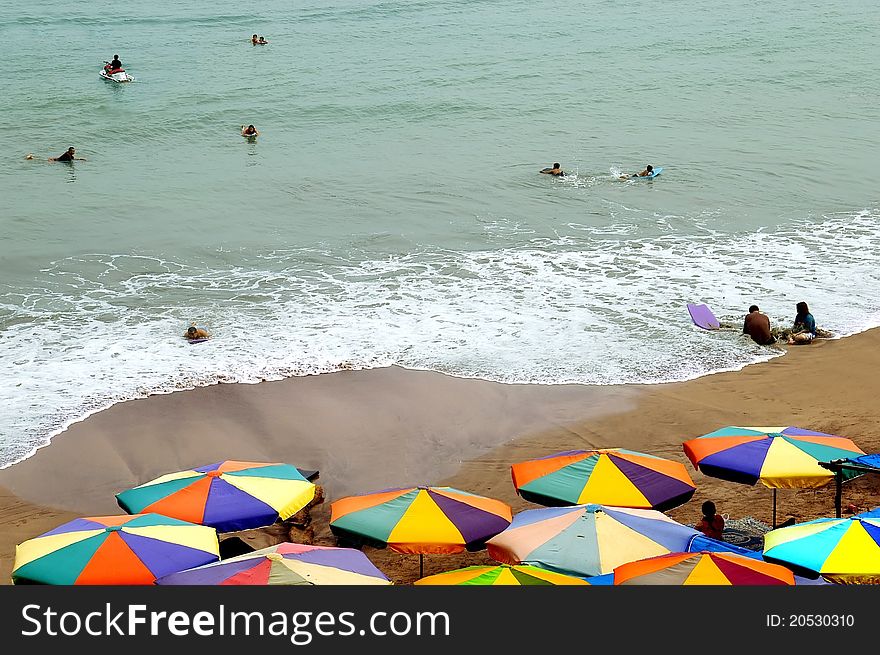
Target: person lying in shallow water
point(193, 332)
point(250, 130)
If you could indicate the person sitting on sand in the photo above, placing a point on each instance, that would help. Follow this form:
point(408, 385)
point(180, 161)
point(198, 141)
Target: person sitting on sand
point(804, 329)
point(69, 155)
point(555, 170)
point(757, 326)
point(193, 332)
point(262, 41)
point(645, 173)
point(255, 40)
point(250, 130)
point(712, 524)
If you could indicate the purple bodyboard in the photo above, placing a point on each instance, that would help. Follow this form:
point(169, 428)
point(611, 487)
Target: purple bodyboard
point(703, 317)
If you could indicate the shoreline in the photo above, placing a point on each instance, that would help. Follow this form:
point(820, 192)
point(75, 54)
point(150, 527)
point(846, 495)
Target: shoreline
point(437, 429)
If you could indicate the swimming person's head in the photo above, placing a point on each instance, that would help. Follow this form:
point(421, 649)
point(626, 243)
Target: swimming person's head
point(71, 150)
point(191, 331)
point(251, 127)
point(649, 168)
point(753, 308)
point(556, 165)
point(802, 308)
point(709, 509)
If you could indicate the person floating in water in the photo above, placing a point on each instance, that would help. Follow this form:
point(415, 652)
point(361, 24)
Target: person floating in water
point(804, 329)
point(68, 155)
point(645, 173)
point(554, 170)
point(114, 66)
point(757, 326)
point(262, 41)
point(255, 40)
point(193, 332)
point(250, 130)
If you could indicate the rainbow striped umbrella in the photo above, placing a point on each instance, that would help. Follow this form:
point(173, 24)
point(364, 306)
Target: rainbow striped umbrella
point(588, 540)
point(845, 551)
point(228, 495)
point(114, 550)
point(419, 520)
point(286, 564)
point(503, 574)
point(609, 476)
point(778, 457)
point(702, 568)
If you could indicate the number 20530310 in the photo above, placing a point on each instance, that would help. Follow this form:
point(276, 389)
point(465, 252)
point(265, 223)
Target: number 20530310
point(810, 620)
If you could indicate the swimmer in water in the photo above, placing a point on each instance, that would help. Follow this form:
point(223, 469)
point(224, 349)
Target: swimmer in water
point(554, 170)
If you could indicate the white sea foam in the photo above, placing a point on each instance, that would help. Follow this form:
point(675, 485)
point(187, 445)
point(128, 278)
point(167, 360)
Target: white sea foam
point(598, 306)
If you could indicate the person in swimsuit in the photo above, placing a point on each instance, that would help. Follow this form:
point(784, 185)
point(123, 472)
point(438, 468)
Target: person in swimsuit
point(262, 41)
point(250, 130)
point(68, 155)
point(193, 332)
point(645, 173)
point(555, 170)
point(757, 326)
point(255, 40)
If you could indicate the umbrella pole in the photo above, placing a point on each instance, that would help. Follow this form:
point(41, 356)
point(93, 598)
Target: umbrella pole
point(774, 508)
point(838, 479)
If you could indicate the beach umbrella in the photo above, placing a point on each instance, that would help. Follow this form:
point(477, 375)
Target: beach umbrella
point(610, 476)
point(778, 457)
point(588, 540)
point(285, 564)
point(228, 495)
point(420, 520)
point(702, 568)
point(114, 550)
point(845, 550)
point(502, 574)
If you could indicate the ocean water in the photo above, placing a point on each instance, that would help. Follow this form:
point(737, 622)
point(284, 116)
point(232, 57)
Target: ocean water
point(391, 211)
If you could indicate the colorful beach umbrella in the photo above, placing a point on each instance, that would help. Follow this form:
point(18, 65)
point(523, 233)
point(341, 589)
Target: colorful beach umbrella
point(420, 520)
point(503, 574)
point(114, 550)
point(843, 550)
point(703, 568)
point(588, 540)
point(609, 476)
point(286, 564)
point(777, 457)
point(228, 495)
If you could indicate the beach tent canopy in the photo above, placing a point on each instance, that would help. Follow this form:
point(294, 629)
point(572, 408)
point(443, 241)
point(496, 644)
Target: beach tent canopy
point(843, 550)
point(702, 568)
point(609, 476)
point(228, 496)
point(587, 540)
point(114, 550)
point(285, 564)
point(502, 574)
point(777, 457)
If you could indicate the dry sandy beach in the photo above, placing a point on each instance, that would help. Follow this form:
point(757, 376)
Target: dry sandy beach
point(368, 430)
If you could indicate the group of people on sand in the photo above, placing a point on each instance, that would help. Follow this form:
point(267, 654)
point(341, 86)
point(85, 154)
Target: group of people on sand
point(556, 170)
point(757, 326)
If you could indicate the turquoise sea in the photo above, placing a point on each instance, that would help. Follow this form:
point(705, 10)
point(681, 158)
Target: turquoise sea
point(391, 211)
